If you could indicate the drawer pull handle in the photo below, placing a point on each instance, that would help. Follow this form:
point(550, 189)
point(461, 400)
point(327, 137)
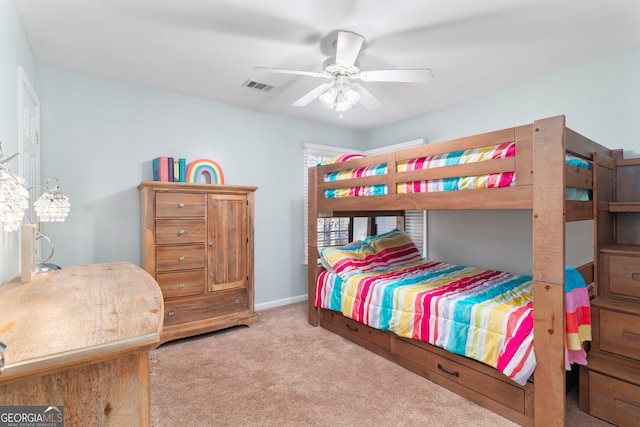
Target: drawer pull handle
point(181, 258)
point(443, 369)
point(631, 336)
point(181, 232)
point(353, 328)
point(181, 285)
point(210, 242)
point(171, 313)
point(237, 301)
point(181, 205)
point(635, 276)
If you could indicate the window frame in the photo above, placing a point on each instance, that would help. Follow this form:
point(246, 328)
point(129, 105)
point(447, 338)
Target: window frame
point(311, 154)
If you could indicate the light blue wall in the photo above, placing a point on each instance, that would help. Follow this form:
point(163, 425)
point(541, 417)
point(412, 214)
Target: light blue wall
point(15, 52)
point(99, 136)
point(600, 100)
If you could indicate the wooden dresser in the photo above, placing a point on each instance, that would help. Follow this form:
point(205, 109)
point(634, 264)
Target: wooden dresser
point(197, 242)
point(610, 383)
point(80, 338)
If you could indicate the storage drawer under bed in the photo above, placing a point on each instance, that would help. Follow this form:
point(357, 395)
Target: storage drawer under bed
point(437, 362)
point(336, 321)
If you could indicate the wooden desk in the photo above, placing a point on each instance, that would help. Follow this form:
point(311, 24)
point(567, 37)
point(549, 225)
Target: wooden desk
point(80, 337)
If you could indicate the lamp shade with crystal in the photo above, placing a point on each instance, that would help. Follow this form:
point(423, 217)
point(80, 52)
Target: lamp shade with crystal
point(13, 200)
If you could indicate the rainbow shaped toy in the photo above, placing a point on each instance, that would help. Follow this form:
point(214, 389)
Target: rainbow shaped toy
point(205, 171)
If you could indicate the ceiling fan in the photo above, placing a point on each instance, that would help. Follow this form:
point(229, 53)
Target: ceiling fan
point(341, 92)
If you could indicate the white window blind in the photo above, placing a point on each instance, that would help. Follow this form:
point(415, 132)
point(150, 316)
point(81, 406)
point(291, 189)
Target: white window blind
point(329, 230)
point(332, 231)
point(415, 224)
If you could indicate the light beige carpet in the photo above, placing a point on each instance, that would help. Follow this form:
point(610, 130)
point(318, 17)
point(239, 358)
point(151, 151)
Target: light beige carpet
point(285, 372)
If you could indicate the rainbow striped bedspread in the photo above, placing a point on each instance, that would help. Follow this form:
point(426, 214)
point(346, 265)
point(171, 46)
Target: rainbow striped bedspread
point(482, 314)
point(474, 155)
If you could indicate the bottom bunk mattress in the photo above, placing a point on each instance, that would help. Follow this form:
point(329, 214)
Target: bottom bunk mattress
point(486, 315)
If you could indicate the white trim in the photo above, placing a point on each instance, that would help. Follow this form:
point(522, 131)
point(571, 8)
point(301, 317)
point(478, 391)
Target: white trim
point(398, 146)
point(324, 148)
point(280, 302)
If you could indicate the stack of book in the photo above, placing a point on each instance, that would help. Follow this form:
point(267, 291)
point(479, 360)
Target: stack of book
point(170, 169)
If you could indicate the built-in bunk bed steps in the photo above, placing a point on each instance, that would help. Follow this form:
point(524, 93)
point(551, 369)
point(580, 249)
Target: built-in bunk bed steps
point(469, 378)
point(605, 391)
point(620, 267)
point(610, 382)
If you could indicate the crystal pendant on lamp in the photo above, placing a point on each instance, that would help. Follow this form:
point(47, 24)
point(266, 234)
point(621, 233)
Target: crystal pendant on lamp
point(13, 200)
point(52, 207)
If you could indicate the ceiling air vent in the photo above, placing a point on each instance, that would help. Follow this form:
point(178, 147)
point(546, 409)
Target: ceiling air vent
point(257, 85)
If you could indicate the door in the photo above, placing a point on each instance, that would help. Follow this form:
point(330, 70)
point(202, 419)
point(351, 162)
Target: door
point(227, 241)
point(29, 138)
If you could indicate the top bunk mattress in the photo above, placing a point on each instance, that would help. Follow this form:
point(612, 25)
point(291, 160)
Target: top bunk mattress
point(460, 157)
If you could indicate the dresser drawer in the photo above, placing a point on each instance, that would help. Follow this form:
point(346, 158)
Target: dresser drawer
point(614, 400)
point(624, 275)
point(176, 205)
point(484, 384)
point(181, 284)
point(356, 329)
point(619, 333)
point(191, 309)
point(176, 231)
point(187, 257)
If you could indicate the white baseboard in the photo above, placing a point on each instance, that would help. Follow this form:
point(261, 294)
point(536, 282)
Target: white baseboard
point(280, 302)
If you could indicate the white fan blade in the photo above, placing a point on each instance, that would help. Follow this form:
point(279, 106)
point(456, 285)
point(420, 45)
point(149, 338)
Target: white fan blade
point(367, 99)
point(297, 72)
point(312, 95)
point(419, 75)
point(347, 48)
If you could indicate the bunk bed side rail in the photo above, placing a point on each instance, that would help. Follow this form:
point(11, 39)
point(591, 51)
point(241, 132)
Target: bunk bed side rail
point(583, 146)
point(513, 197)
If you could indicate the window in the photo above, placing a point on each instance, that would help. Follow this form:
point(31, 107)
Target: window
point(334, 231)
point(414, 224)
point(339, 231)
point(331, 231)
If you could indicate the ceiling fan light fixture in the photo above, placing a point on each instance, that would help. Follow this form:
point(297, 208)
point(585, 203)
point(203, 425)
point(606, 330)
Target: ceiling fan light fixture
point(341, 93)
point(346, 99)
point(328, 98)
point(341, 97)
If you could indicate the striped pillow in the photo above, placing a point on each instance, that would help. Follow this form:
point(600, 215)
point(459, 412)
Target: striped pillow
point(395, 248)
point(355, 258)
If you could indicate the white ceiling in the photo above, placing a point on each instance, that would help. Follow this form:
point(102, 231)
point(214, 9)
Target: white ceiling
point(209, 48)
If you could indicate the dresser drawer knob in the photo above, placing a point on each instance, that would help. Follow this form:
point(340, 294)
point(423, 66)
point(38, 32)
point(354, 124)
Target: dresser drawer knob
point(210, 242)
point(181, 258)
point(181, 285)
point(237, 301)
point(181, 232)
point(181, 205)
point(171, 313)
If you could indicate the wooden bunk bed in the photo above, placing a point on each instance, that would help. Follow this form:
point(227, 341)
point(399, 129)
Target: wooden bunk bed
point(542, 175)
